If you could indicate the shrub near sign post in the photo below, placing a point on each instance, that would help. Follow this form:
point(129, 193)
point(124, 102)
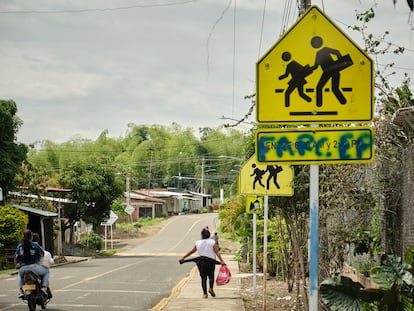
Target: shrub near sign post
point(314, 75)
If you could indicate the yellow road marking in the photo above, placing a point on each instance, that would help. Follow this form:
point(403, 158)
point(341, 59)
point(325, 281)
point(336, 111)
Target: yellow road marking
point(174, 293)
point(188, 231)
point(98, 275)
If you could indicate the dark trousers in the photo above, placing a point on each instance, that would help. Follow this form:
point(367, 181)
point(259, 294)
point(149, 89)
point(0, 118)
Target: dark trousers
point(206, 269)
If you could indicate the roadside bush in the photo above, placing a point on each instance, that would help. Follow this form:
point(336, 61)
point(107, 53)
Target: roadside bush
point(12, 224)
point(91, 240)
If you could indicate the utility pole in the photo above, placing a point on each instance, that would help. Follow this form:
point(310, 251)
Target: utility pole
point(304, 5)
point(150, 171)
point(203, 161)
point(128, 199)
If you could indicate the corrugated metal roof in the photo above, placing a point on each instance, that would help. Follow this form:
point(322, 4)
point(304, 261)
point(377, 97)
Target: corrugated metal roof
point(142, 197)
point(206, 195)
point(35, 211)
point(35, 196)
point(170, 194)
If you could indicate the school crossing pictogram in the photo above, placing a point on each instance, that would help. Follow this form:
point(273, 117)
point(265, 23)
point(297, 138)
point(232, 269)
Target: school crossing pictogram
point(254, 204)
point(265, 179)
point(271, 172)
point(330, 61)
point(314, 74)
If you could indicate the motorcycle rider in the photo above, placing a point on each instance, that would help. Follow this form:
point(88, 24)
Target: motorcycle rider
point(27, 257)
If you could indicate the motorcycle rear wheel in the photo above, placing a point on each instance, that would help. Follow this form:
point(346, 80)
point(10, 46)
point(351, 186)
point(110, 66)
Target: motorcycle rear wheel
point(31, 303)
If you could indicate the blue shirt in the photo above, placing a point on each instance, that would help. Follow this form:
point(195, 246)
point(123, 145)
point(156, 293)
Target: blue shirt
point(35, 253)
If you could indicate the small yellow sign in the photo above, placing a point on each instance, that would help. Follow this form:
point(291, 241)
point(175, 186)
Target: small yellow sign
point(326, 145)
point(314, 74)
point(254, 204)
point(265, 179)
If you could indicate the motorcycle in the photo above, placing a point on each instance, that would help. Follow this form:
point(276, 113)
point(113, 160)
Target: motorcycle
point(33, 293)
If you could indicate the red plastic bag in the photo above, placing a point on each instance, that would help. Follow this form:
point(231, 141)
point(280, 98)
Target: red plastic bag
point(224, 275)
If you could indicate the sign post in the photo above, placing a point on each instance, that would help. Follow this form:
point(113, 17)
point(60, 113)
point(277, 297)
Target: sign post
point(109, 222)
point(263, 180)
point(314, 74)
point(254, 205)
point(314, 237)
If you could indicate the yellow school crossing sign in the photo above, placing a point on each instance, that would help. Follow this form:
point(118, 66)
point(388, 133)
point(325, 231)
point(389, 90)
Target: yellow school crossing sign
point(254, 204)
point(314, 74)
point(265, 179)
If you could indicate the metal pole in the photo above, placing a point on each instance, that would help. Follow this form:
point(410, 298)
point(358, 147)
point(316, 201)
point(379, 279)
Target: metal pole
point(254, 252)
point(60, 232)
point(112, 240)
point(314, 221)
point(314, 237)
point(106, 236)
point(179, 170)
point(266, 212)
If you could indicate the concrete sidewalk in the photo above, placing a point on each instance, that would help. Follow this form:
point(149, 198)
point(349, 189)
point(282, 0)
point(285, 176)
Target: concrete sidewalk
point(187, 295)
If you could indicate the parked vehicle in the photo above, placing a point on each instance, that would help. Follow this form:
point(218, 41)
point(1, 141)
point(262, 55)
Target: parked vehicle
point(33, 293)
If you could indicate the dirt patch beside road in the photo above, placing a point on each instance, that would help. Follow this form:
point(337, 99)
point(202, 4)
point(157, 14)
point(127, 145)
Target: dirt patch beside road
point(277, 296)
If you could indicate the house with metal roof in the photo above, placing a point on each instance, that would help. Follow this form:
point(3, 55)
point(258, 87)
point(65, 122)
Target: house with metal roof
point(176, 201)
point(41, 222)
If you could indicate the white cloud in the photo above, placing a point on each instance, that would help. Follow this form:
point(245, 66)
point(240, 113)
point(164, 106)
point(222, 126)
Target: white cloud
point(83, 72)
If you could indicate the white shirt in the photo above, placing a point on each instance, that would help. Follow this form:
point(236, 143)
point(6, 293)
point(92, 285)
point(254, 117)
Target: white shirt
point(46, 260)
point(205, 248)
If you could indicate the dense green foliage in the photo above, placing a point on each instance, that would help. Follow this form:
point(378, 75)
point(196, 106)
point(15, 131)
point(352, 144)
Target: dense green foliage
point(91, 240)
point(12, 154)
point(12, 224)
point(153, 156)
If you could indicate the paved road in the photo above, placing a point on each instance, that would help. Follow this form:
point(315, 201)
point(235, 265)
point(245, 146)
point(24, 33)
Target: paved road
point(137, 280)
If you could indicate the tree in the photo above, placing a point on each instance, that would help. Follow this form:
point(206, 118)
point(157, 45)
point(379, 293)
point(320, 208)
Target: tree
point(12, 154)
point(93, 191)
point(12, 224)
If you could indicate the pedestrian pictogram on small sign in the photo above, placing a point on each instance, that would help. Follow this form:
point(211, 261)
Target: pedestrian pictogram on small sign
point(254, 204)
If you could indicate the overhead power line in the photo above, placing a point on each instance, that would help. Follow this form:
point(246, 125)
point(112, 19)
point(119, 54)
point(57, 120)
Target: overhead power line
point(211, 34)
point(119, 8)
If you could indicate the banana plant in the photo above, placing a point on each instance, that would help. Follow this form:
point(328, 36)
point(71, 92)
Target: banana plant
point(394, 292)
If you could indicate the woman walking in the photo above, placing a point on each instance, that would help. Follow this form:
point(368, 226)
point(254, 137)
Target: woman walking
point(208, 250)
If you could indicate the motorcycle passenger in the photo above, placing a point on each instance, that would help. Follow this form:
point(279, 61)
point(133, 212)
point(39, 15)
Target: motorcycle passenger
point(46, 261)
point(27, 255)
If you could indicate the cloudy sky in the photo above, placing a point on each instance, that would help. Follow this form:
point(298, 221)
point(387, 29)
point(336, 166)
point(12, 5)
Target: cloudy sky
point(77, 68)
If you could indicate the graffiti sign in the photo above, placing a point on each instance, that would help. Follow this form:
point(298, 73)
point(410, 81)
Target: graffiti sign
point(315, 145)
